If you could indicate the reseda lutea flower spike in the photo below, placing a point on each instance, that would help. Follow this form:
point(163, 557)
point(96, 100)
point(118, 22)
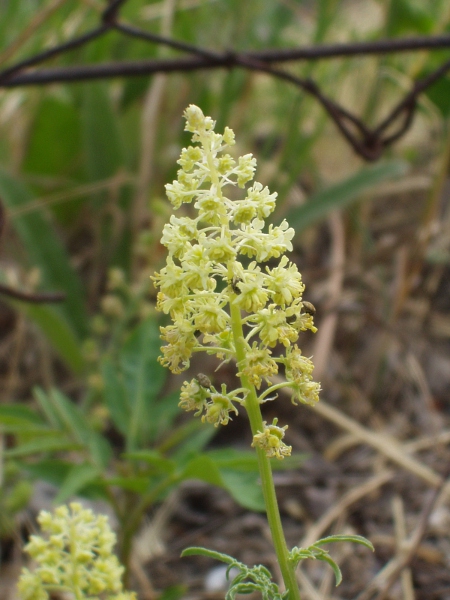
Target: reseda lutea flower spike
point(74, 557)
point(214, 266)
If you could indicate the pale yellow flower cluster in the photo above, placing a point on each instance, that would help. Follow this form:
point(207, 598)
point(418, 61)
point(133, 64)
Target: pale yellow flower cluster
point(214, 262)
point(271, 440)
point(76, 556)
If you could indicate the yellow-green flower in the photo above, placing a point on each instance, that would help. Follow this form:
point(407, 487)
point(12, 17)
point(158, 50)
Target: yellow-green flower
point(271, 440)
point(75, 555)
point(208, 276)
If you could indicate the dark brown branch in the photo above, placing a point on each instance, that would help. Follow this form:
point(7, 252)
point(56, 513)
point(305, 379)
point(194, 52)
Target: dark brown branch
point(418, 88)
point(368, 143)
point(33, 298)
point(354, 49)
point(9, 73)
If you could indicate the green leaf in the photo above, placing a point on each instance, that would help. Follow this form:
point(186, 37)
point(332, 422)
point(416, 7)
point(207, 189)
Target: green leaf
point(46, 252)
point(52, 470)
point(70, 416)
point(244, 488)
point(336, 570)
point(55, 472)
point(102, 141)
point(115, 396)
point(191, 437)
point(343, 194)
point(76, 480)
point(173, 592)
point(17, 413)
point(48, 409)
point(237, 460)
point(164, 411)
point(245, 460)
point(104, 153)
point(78, 425)
point(199, 551)
point(203, 468)
point(132, 484)
point(66, 415)
point(58, 332)
point(54, 138)
point(143, 379)
point(410, 16)
point(356, 539)
point(51, 443)
point(157, 462)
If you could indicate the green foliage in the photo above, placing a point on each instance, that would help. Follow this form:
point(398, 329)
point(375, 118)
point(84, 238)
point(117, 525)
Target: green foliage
point(57, 140)
point(344, 193)
point(315, 551)
point(248, 580)
point(259, 579)
point(15, 493)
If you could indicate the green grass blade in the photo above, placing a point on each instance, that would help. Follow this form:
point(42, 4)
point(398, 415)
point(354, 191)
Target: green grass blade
point(344, 193)
point(143, 379)
point(58, 332)
point(115, 396)
point(46, 252)
point(77, 478)
point(39, 445)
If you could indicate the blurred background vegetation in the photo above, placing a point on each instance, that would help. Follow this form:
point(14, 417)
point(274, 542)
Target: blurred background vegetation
point(82, 174)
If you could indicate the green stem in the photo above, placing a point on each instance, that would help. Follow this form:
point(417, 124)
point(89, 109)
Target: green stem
point(265, 470)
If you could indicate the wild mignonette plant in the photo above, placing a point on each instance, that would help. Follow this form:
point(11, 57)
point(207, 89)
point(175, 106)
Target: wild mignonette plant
point(224, 302)
point(74, 556)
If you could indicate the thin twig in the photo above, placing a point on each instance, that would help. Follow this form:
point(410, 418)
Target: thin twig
point(368, 143)
point(33, 298)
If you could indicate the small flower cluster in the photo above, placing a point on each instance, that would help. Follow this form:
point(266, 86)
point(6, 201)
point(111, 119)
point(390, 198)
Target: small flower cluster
point(217, 406)
point(271, 440)
point(75, 556)
point(214, 265)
